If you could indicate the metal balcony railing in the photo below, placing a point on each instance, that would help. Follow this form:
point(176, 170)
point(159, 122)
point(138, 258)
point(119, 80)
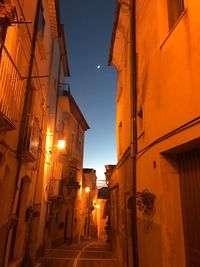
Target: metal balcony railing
point(31, 138)
point(7, 13)
point(64, 89)
point(11, 86)
point(55, 188)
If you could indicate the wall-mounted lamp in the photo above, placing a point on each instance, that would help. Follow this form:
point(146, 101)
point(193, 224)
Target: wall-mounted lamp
point(87, 189)
point(96, 206)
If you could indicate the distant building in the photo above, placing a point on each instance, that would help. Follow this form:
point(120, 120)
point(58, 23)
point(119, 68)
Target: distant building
point(50, 172)
point(88, 204)
point(66, 180)
point(155, 47)
point(101, 183)
point(102, 215)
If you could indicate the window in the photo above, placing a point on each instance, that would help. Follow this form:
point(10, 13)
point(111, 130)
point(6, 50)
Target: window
point(120, 138)
point(79, 145)
point(3, 28)
point(140, 125)
point(72, 143)
point(77, 136)
point(175, 9)
point(41, 21)
point(40, 32)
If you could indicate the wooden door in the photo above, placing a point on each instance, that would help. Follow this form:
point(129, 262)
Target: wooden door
point(189, 168)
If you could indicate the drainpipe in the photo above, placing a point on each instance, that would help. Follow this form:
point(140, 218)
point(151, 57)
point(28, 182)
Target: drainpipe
point(133, 84)
point(55, 120)
point(27, 102)
point(58, 89)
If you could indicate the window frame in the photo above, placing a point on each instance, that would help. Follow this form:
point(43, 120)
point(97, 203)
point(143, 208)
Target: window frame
point(41, 20)
point(3, 31)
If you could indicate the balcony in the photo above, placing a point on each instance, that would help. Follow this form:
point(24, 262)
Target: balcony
point(71, 183)
point(11, 86)
point(7, 14)
point(31, 138)
point(55, 189)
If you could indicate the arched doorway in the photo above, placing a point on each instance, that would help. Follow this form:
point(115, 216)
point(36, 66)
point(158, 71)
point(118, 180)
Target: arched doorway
point(19, 229)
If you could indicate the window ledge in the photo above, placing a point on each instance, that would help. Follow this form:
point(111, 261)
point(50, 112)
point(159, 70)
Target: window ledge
point(172, 29)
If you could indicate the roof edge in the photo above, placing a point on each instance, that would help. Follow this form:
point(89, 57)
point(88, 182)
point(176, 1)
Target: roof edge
point(73, 102)
point(63, 47)
point(117, 11)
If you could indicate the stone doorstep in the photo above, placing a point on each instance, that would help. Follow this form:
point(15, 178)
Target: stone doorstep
point(46, 259)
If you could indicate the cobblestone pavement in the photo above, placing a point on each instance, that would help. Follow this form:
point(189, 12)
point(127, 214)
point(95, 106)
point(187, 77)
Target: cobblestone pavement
point(88, 254)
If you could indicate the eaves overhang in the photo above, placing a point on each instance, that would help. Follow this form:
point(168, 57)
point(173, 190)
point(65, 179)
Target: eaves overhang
point(120, 32)
point(88, 170)
point(75, 110)
point(114, 32)
point(63, 49)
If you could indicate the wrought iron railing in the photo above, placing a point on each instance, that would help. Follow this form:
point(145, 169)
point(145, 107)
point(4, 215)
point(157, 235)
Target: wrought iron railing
point(11, 86)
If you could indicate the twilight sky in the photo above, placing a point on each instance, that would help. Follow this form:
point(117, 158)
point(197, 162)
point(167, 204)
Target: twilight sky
point(88, 28)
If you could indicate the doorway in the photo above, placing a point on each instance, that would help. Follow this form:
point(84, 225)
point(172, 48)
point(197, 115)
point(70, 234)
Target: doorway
point(189, 169)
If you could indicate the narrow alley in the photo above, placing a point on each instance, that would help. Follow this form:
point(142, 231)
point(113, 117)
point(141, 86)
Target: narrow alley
point(99, 133)
point(93, 253)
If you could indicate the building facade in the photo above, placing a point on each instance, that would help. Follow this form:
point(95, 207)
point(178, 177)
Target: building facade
point(48, 188)
point(102, 213)
point(165, 51)
point(31, 73)
point(89, 205)
point(120, 177)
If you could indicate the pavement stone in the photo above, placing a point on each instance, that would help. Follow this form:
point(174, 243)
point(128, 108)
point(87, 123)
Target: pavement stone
point(92, 253)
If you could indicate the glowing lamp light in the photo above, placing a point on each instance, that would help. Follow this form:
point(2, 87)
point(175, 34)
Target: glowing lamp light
point(61, 144)
point(87, 189)
point(98, 206)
